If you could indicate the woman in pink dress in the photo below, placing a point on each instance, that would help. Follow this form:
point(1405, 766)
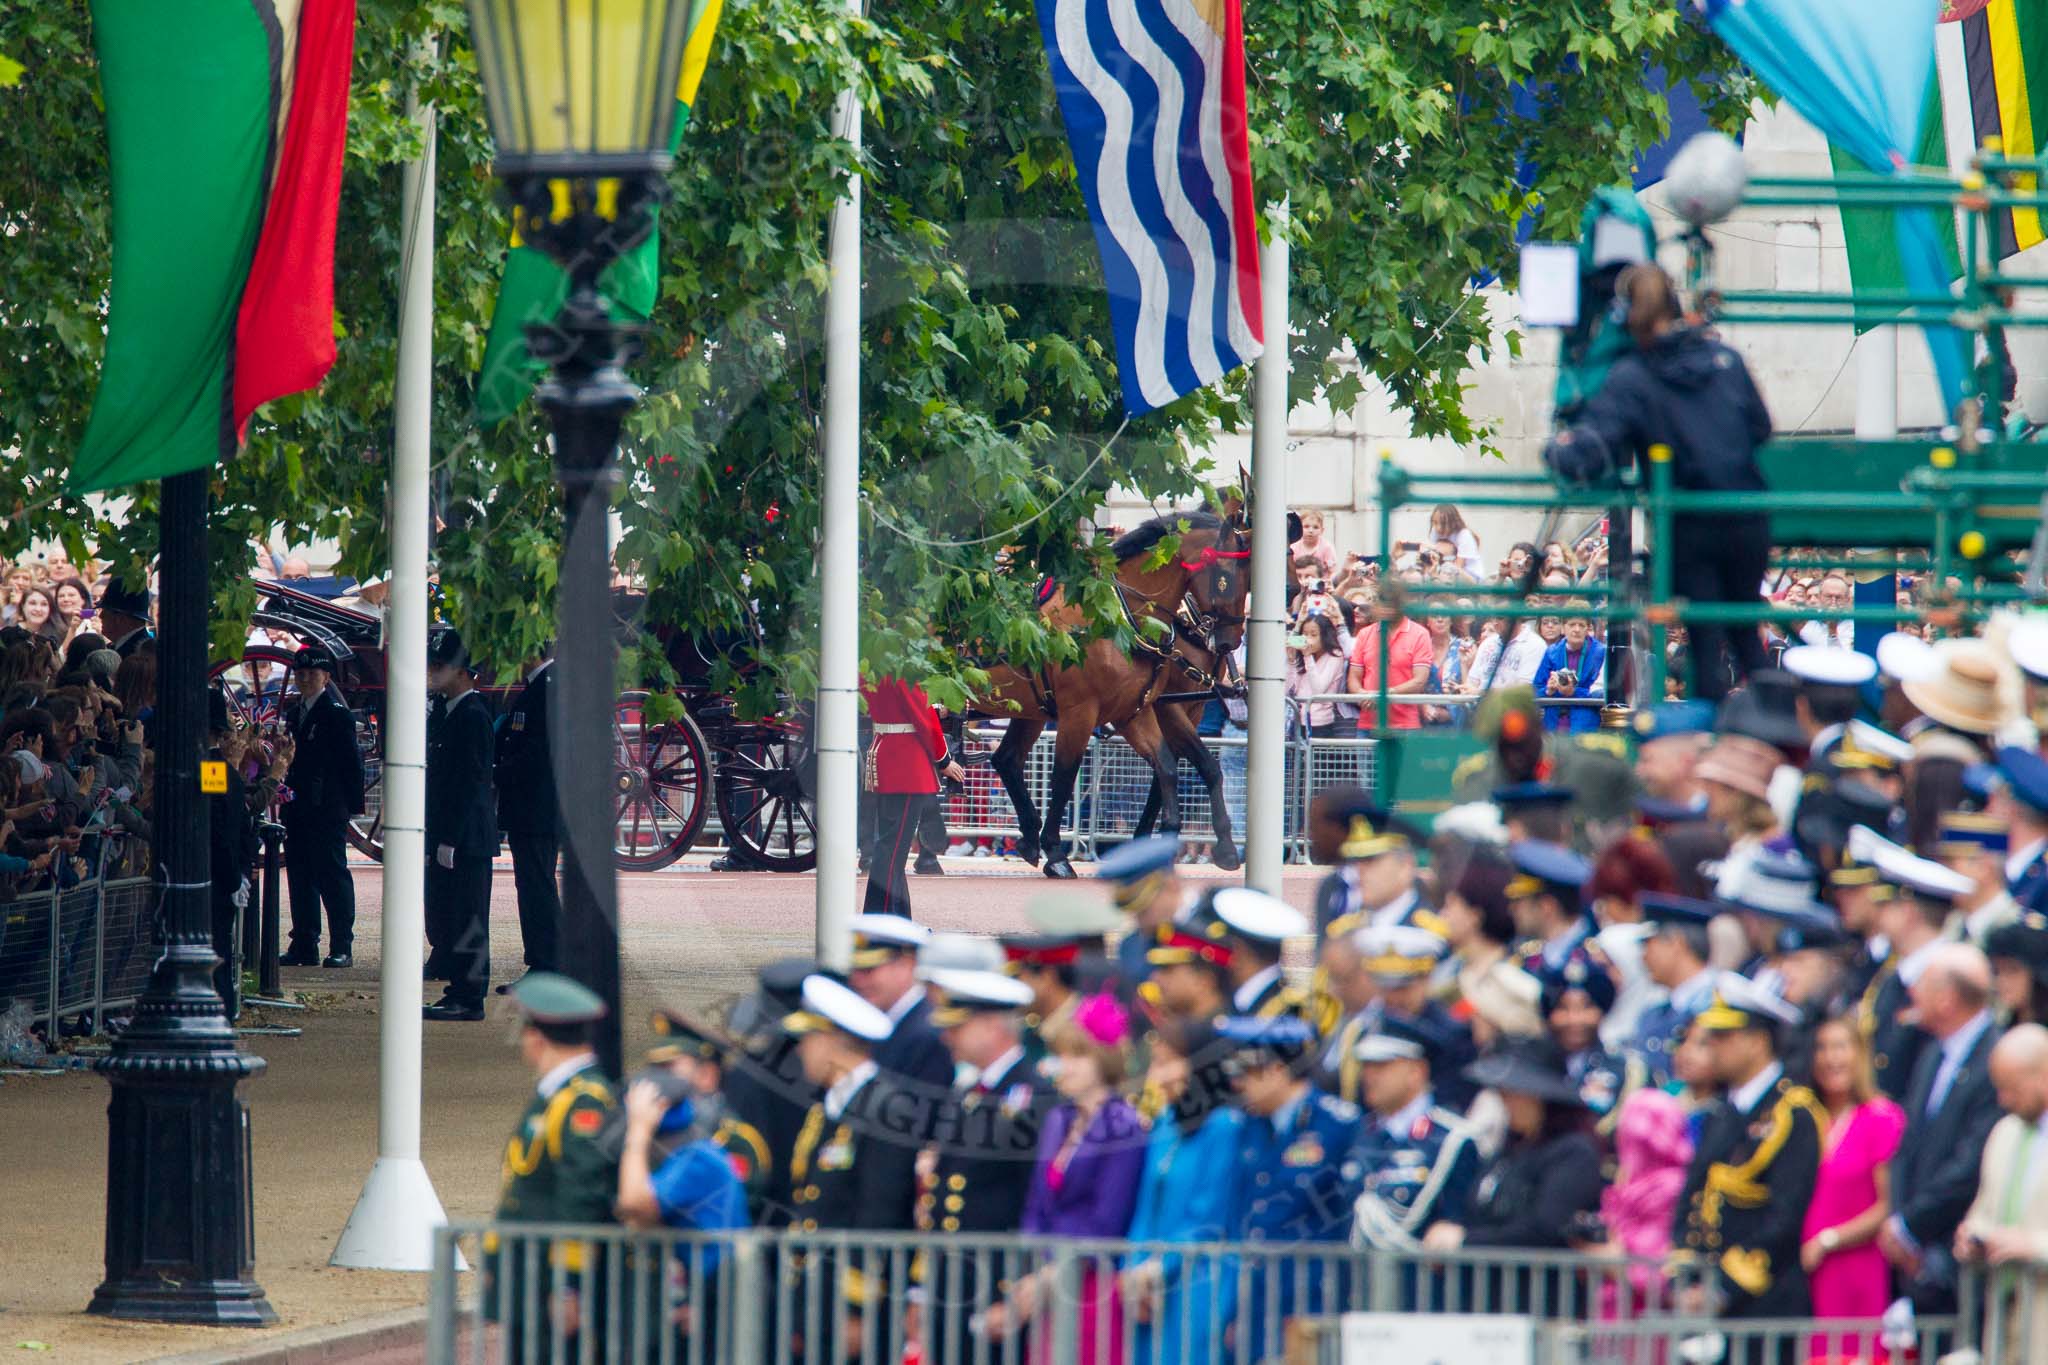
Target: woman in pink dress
point(1852, 1196)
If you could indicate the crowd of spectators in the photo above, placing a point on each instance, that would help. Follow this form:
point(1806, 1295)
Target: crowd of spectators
point(49, 597)
point(1340, 601)
point(75, 765)
point(1337, 596)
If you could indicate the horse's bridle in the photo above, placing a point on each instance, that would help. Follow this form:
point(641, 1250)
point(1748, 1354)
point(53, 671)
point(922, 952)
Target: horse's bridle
point(1206, 626)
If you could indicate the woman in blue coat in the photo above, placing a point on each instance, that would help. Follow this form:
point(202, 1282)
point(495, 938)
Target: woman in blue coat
point(1182, 1304)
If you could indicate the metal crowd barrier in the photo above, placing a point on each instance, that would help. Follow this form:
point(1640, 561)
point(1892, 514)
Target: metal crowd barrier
point(83, 950)
point(1113, 782)
point(1366, 1339)
point(554, 1292)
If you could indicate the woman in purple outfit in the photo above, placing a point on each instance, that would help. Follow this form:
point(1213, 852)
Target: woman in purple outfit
point(1090, 1161)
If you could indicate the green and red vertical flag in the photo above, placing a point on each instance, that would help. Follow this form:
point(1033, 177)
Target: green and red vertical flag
point(226, 121)
point(534, 288)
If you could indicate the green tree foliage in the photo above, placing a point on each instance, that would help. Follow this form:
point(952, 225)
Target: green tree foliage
point(991, 418)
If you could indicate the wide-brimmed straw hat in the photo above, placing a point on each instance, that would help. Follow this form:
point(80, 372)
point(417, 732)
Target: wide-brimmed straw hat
point(1964, 693)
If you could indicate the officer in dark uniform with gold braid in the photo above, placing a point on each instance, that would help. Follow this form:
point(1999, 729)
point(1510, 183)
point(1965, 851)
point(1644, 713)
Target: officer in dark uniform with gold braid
point(1374, 887)
point(1857, 892)
point(975, 1173)
point(555, 1169)
point(1376, 882)
point(854, 1167)
point(1753, 1173)
point(1256, 927)
point(1401, 960)
point(1913, 919)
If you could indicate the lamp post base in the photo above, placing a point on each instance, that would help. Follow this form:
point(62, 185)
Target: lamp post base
point(180, 1216)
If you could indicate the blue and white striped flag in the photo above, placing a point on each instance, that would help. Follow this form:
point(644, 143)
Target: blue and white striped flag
point(1152, 92)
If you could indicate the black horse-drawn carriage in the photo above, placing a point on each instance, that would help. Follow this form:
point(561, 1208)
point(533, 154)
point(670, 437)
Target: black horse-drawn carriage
point(671, 766)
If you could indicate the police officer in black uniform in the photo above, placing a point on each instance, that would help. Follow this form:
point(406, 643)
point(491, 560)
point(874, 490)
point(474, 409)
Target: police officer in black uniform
point(530, 816)
point(326, 784)
point(1753, 1173)
point(462, 832)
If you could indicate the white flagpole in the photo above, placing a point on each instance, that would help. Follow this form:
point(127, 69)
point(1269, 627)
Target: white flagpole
point(1266, 652)
point(839, 568)
point(392, 1227)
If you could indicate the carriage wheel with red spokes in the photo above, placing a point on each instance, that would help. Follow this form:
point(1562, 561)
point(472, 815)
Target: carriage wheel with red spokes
point(768, 795)
point(663, 775)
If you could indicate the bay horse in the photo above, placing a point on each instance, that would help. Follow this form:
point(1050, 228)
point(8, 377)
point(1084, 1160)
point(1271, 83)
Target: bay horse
point(1186, 615)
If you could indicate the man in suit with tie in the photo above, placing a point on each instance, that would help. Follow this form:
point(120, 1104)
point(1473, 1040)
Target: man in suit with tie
point(530, 816)
point(2008, 1221)
point(1950, 1109)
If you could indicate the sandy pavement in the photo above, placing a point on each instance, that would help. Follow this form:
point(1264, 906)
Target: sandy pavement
point(691, 936)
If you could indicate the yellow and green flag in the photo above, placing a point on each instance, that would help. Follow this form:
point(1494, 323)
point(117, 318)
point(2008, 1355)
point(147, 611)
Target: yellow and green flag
point(534, 288)
point(2005, 58)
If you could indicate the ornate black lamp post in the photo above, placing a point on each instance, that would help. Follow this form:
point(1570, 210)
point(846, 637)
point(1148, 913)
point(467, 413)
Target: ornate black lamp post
point(179, 1213)
point(582, 102)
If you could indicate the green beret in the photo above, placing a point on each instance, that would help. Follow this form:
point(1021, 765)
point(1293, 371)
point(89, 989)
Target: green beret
point(551, 998)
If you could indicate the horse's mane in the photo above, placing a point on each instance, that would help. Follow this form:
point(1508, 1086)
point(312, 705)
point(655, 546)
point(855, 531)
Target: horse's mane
point(1144, 536)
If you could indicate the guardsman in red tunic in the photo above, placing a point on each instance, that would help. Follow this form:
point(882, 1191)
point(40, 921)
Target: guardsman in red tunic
point(904, 763)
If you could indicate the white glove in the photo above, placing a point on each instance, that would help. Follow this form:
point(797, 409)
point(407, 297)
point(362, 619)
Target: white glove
point(240, 900)
point(445, 855)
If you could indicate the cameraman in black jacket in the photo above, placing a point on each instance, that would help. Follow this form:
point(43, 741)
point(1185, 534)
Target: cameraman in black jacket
point(1683, 389)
